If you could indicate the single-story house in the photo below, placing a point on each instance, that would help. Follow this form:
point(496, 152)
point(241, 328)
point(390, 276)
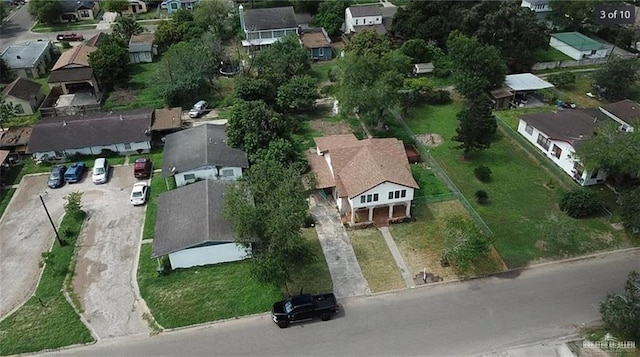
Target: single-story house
point(537, 5)
point(28, 59)
point(125, 132)
point(369, 176)
point(263, 27)
point(25, 95)
point(15, 139)
point(558, 134)
point(175, 5)
point(72, 72)
point(136, 7)
point(202, 153)
point(625, 112)
point(191, 230)
point(167, 120)
point(355, 17)
point(318, 43)
point(141, 48)
point(578, 46)
point(77, 10)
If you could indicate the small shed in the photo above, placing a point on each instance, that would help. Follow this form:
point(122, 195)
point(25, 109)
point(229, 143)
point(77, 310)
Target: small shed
point(167, 120)
point(422, 68)
point(501, 98)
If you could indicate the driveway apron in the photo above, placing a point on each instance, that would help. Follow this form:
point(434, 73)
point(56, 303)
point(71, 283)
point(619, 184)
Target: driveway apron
point(344, 268)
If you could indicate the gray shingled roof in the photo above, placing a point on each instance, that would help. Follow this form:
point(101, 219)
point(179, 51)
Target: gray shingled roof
point(570, 125)
point(74, 5)
point(199, 146)
point(73, 132)
point(190, 216)
point(365, 10)
point(270, 18)
point(24, 55)
point(22, 89)
point(141, 43)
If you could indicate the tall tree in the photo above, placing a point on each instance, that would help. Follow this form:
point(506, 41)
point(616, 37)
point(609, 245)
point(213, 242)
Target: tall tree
point(477, 126)
point(369, 42)
point(298, 94)
point(617, 78)
point(275, 193)
point(253, 125)
point(421, 52)
point(477, 68)
point(6, 76)
point(575, 15)
point(621, 312)
point(118, 6)
point(3, 12)
point(46, 11)
point(125, 27)
point(330, 16)
point(110, 62)
point(283, 60)
point(250, 88)
point(218, 16)
point(612, 150)
point(629, 201)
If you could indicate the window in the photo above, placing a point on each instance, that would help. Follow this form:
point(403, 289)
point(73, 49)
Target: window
point(278, 33)
point(391, 195)
point(291, 32)
point(397, 194)
point(127, 146)
point(84, 13)
point(227, 173)
point(556, 151)
point(544, 142)
point(29, 73)
point(594, 174)
point(188, 177)
point(174, 6)
point(266, 34)
point(363, 199)
point(375, 197)
point(593, 52)
point(321, 52)
point(403, 193)
point(356, 21)
point(18, 109)
point(369, 197)
point(253, 36)
point(528, 129)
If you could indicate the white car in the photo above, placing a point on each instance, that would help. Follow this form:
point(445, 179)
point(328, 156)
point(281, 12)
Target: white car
point(139, 193)
point(198, 109)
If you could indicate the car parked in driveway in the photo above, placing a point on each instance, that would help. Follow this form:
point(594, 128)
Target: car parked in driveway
point(142, 168)
point(56, 177)
point(70, 36)
point(74, 172)
point(100, 171)
point(139, 193)
point(198, 109)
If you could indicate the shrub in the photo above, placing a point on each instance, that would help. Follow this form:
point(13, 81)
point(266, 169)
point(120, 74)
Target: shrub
point(437, 97)
point(483, 173)
point(563, 79)
point(65, 44)
point(482, 197)
point(309, 221)
point(580, 203)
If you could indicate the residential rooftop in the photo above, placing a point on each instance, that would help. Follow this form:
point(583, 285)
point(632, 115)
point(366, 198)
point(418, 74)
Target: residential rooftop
point(24, 55)
point(578, 41)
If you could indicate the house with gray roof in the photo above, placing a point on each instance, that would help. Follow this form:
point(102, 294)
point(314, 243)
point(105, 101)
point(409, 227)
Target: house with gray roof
point(28, 59)
point(24, 95)
point(77, 10)
point(142, 48)
point(363, 17)
point(263, 27)
point(625, 112)
point(202, 153)
point(578, 46)
point(190, 228)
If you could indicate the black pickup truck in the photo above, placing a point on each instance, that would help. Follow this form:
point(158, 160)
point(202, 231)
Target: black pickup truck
point(304, 307)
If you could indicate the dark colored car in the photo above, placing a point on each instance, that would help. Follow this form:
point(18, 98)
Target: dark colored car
point(74, 172)
point(304, 307)
point(70, 36)
point(56, 177)
point(142, 168)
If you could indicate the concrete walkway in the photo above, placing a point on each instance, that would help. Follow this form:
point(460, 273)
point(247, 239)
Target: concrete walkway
point(345, 271)
point(107, 19)
point(393, 248)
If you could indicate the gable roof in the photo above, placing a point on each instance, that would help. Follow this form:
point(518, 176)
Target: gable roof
point(270, 18)
point(99, 129)
point(190, 216)
point(360, 165)
point(365, 10)
point(71, 75)
point(315, 39)
point(571, 125)
point(77, 56)
point(141, 42)
point(199, 146)
point(22, 89)
point(15, 136)
point(24, 55)
point(625, 110)
point(578, 41)
point(167, 118)
point(96, 39)
point(75, 5)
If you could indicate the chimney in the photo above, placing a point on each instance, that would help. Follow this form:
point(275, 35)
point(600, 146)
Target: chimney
point(241, 13)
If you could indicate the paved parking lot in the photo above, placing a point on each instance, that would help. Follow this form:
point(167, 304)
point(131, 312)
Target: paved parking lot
point(107, 257)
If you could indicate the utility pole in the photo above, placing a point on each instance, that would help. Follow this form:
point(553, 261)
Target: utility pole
point(60, 241)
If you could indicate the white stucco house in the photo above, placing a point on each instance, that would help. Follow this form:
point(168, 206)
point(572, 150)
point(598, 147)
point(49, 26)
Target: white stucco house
point(125, 132)
point(263, 27)
point(625, 112)
point(191, 230)
point(537, 5)
point(578, 46)
point(362, 17)
point(366, 178)
point(558, 134)
point(202, 153)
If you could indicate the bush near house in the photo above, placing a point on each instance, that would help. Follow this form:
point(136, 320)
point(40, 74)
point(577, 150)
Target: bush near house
point(580, 203)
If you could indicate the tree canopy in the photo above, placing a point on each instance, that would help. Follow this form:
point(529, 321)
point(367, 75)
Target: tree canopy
point(125, 27)
point(369, 42)
point(477, 126)
point(298, 94)
point(283, 60)
point(420, 51)
point(253, 125)
point(217, 16)
point(5, 72)
point(464, 242)
point(116, 5)
point(110, 62)
point(617, 78)
point(251, 88)
point(629, 201)
point(330, 15)
point(621, 312)
point(46, 11)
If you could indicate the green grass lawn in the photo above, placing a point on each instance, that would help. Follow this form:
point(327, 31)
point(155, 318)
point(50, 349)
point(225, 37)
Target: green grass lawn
point(43, 84)
point(550, 55)
point(64, 27)
point(577, 94)
point(320, 70)
point(430, 185)
point(157, 187)
point(376, 262)
point(143, 92)
point(314, 277)
point(47, 320)
point(5, 198)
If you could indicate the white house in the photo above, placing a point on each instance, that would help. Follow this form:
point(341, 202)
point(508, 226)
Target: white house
point(537, 5)
point(365, 177)
point(558, 134)
point(625, 112)
point(578, 46)
point(124, 132)
point(190, 228)
point(201, 153)
point(357, 18)
point(263, 27)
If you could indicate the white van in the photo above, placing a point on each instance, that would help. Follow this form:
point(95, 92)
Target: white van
point(100, 171)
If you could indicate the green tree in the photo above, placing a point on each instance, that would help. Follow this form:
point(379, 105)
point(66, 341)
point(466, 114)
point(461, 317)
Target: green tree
point(214, 15)
point(253, 125)
point(283, 60)
point(477, 68)
point(3, 12)
point(110, 62)
point(275, 193)
point(282, 151)
point(617, 78)
point(168, 33)
point(298, 94)
point(250, 88)
point(629, 201)
point(7, 110)
point(612, 150)
point(621, 312)
point(46, 11)
point(562, 79)
point(421, 52)
point(182, 27)
point(125, 27)
point(477, 126)
point(580, 203)
point(6, 76)
point(116, 6)
point(463, 243)
point(369, 42)
point(575, 15)
point(330, 15)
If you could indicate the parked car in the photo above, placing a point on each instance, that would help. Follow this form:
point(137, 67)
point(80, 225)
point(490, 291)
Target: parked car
point(70, 36)
point(139, 193)
point(198, 109)
point(304, 307)
point(100, 171)
point(56, 177)
point(74, 172)
point(142, 168)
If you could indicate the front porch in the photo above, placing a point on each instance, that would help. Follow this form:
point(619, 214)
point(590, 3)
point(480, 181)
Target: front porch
point(379, 216)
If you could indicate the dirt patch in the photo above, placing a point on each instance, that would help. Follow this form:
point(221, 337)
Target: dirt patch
point(430, 140)
point(123, 96)
point(330, 127)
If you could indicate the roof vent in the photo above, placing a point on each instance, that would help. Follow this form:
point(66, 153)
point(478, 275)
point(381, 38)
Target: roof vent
point(121, 118)
point(18, 57)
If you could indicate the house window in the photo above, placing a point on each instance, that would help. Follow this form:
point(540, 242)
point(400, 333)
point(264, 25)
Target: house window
point(291, 32)
point(84, 13)
point(174, 6)
point(18, 109)
point(369, 197)
point(127, 146)
point(363, 199)
point(556, 151)
point(356, 21)
point(391, 195)
point(375, 197)
point(266, 34)
point(188, 177)
point(321, 51)
point(403, 193)
point(253, 36)
point(278, 33)
point(594, 174)
point(397, 194)
point(529, 129)
point(227, 173)
point(593, 52)
point(578, 168)
point(544, 142)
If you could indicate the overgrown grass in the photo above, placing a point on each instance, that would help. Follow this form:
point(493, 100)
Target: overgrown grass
point(550, 55)
point(144, 92)
point(5, 198)
point(47, 320)
point(156, 187)
point(320, 70)
point(21, 120)
point(44, 85)
point(440, 82)
point(377, 264)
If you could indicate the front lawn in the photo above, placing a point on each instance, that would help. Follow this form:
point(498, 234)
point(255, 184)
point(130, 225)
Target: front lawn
point(376, 262)
point(65, 27)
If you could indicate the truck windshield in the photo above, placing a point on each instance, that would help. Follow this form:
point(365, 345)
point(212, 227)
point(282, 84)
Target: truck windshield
point(288, 307)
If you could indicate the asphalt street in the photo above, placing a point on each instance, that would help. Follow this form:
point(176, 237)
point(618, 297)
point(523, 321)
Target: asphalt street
point(467, 318)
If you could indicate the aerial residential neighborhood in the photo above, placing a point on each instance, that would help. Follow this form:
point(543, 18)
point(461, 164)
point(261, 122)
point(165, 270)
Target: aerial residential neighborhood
point(332, 178)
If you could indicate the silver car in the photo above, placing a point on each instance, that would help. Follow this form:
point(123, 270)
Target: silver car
point(198, 109)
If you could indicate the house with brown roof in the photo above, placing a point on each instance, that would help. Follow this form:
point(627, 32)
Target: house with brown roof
point(15, 139)
point(73, 74)
point(166, 120)
point(625, 112)
point(25, 95)
point(365, 177)
point(318, 43)
point(558, 134)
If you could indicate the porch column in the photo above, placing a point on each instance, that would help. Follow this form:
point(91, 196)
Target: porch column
point(353, 218)
point(390, 211)
point(408, 209)
point(370, 214)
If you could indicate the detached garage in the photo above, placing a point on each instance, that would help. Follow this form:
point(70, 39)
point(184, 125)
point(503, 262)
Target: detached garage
point(190, 229)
